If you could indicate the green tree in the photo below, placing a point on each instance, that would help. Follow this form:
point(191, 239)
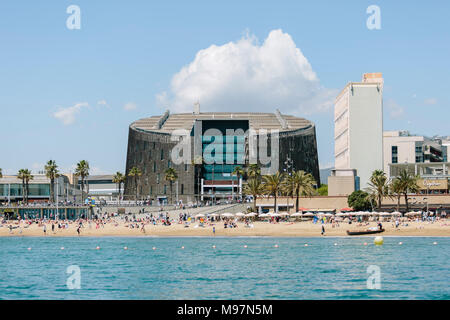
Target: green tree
point(323, 190)
point(378, 186)
point(1, 175)
point(299, 183)
point(395, 190)
point(273, 185)
point(359, 200)
point(82, 171)
point(25, 176)
point(119, 178)
point(51, 171)
point(255, 188)
point(253, 170)
point(135, 173)
point(171, 176)
point(408, 184)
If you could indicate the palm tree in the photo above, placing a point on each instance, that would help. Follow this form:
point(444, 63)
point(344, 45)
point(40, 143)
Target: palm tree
point(135, 173)
point(51, 171)
point(378, 186)
point(254, 187)
point(239, 172)
point(82, 171)
point(119, 178)
point(299, 183)
point(273, 185)
point(408, 183)
point(254, 170)
point(395, 189)
point(25, 176)
point(171, 176)
point(1, 175)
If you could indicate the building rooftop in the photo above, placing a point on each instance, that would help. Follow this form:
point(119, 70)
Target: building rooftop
point(169, 122)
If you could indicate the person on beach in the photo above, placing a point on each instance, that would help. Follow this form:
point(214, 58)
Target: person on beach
point(78, 230)
point(214, 230)
point(53, 228)
point(143, 228)
point(45, 229)
point(323, 230)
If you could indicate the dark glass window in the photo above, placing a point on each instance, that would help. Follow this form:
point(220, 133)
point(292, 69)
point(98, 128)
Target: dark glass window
point(394, 160)
point(394, 149)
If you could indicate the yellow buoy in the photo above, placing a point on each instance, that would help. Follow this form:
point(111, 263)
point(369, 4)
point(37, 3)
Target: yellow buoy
point(378, 241)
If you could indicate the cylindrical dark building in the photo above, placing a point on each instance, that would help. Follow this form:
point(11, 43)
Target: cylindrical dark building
point(218, 141)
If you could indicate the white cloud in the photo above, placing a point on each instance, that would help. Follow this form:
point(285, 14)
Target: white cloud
point(130, 106)
point(103, 103)
point(67, 115)
point(246, 76)
point(430, 101)
point(396, 111)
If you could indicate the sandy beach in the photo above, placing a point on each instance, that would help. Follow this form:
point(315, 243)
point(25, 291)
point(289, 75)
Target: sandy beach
point(282, 229)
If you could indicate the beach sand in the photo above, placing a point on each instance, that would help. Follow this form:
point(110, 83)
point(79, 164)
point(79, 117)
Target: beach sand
point(282, 229)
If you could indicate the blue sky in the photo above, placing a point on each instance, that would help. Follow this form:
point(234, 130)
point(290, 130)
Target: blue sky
point(127, 53)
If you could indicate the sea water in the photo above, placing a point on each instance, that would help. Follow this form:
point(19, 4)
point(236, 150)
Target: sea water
point(237, 268)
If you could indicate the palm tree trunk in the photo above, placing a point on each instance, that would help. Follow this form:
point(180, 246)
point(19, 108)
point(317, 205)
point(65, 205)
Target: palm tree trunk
point(379, 203)
point(171, 193)
point(275, 203)
point(136, 194)
point(296, 201)
point(254, 203)
point(398, 202)
point(406, 201)
point(52, 190)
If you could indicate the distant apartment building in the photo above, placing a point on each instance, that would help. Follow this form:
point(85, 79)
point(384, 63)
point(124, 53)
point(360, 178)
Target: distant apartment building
point(419, 155)
point(358, 130)
point(403, 147)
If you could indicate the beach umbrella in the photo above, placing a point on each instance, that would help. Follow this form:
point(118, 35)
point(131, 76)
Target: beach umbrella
point(346, 209)
point(302, 209)
point(274, 214)
point(341, 214)
point(385, 214)
point(264, 215)
point(308, 214)
point(213, 215)
point(396, 213)
point(251, 214)
point(200, 215)
point(328, 214)
point(297, 214)
point(227, 214)
point(284, 214)
point(239, 214)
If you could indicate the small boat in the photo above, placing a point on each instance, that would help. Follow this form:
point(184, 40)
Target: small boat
point(362, 232)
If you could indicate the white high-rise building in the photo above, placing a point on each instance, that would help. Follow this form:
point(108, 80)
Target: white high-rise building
point(358, 128)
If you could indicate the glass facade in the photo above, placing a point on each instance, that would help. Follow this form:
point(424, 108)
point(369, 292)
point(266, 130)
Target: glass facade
point(221, 152)
point(16, 190)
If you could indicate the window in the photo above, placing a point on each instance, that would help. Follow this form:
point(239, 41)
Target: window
point(185, 167)
point(158, 176)
point(418, 159)
point(154, 166)
point(169, 163)
point(151, 189)
point(162, 154)
point(165, 189)
point(394, 150)
point(182, 189)
point(394, 159)
point(419, 149)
